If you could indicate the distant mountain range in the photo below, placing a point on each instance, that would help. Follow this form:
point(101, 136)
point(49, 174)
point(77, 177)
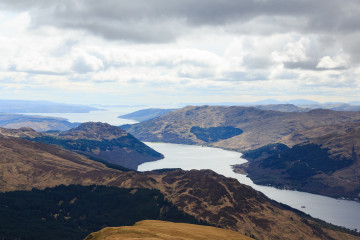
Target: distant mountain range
point(39, 123)
point(27, 106)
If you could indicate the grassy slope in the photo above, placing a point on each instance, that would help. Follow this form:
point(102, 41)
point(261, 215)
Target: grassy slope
point(158, 230)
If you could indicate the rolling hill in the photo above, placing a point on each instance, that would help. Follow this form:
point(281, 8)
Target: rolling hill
point(205, 195)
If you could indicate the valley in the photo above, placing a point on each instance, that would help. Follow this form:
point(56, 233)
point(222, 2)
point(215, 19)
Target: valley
point(205, 195)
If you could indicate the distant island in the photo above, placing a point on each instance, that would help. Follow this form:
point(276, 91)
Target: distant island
point(38, 123)
point(146, 114)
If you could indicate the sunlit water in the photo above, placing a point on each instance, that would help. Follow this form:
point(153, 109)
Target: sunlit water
point(108, 115)
point(340, 212)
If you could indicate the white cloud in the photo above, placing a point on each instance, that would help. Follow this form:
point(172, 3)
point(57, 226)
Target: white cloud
point(329, 63)
point(173, 47)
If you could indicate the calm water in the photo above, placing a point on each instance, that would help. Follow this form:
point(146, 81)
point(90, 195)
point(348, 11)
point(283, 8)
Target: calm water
point(109, 115)
point(340, 212)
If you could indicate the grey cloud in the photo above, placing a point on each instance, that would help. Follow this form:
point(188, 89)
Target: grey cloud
point(244, 77)
point(309, 65)
point(114, 19)
point(80, 65)
point(164, 21)
point(256, 62)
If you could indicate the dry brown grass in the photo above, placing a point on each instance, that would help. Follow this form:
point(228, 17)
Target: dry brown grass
point(160, 230)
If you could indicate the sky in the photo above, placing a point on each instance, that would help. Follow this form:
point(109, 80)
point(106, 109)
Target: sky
point(180, 51)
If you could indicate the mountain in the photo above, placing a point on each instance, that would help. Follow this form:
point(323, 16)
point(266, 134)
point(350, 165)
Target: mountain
point(205, 195)
point(258, 127)
point(38, 123)
point(330, 135)
point(104, 142)
point(150, 229)
point(333, 106)
point(27, 106)
point(146, 114)
point(282, 108)
point(327, 161)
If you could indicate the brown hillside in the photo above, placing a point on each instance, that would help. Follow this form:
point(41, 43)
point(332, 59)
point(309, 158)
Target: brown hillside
point(158, 230)
point(204, 194)
point(260, 127)
point(102, 141)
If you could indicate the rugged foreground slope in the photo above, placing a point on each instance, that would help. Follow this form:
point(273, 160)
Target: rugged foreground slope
point(158, 230)
point(207, 196)
point(104, 142)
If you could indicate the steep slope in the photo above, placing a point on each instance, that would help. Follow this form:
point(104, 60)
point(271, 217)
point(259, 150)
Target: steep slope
point(72, 212)
point(259, 127)
point(26, 165)
point(146, 114)
point(38, 123)
point(158, 230)
point(203, 194)
point(105, 142)
point(328, 164)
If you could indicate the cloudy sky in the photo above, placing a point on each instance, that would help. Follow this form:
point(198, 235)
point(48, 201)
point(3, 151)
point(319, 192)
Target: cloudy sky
point(161, 51)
